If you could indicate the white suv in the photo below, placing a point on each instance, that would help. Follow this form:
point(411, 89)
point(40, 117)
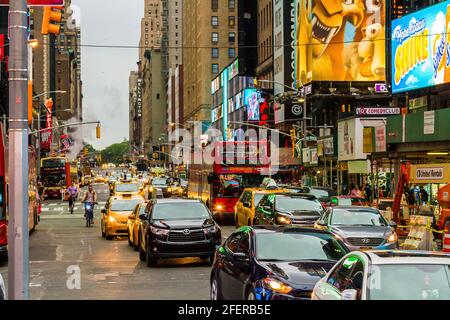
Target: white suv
point(387, 275)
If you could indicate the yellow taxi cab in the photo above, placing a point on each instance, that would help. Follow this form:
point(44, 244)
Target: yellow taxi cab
point(134, 223)
point(114, 221)
point(99, 179)
point(245, 207)
point(127, 189)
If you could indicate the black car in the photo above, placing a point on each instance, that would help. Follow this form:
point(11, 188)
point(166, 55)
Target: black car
point(273, 263)
point(160, 183)
point(323, 194)
point(288, 208)
point(177, 228)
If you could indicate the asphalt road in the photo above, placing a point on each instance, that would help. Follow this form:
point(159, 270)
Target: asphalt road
point(70, 261)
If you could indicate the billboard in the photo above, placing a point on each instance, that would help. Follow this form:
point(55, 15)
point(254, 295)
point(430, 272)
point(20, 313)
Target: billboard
point(421, 48)
point(340, 40)
point(252, 98)
point(37, 2)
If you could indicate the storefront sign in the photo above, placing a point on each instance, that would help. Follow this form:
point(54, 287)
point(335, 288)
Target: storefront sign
point(306, 155)
point(384, 111)
point(419, 49)
point(380, 138)
point(430, 173)
point(418, 103)
point(326, 146)
point(381, 87)
point(314, 156)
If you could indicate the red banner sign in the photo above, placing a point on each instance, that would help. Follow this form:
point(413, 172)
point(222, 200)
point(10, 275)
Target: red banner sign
point(37, 2)
point(2, 46)
point(46, 136)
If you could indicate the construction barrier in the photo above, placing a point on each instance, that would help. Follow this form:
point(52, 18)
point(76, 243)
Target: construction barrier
point(420, 236)
point(446, 242)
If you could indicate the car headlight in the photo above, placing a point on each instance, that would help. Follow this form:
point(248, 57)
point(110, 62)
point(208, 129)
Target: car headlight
point(169, 189)
point(277, 285)
point(112, 219)
point(283, 220)
point(211, 229)
point(158, 231)
point(151, 189)
point(392, 238)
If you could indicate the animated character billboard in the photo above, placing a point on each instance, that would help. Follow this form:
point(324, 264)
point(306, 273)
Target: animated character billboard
point(340, 40)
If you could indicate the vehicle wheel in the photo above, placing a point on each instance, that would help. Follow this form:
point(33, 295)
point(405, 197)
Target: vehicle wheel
point(214, 293)
point(103, 234)
point(108, 237)
point(211, 259)
point(150, 261)
point(142, 254)
point(34, 223)
point(129, 240)
point(250, 295)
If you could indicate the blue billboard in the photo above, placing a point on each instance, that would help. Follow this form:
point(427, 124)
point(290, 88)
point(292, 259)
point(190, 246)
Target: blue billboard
point(421, 48)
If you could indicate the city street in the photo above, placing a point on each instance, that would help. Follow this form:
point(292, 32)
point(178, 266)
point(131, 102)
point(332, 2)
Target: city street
point(109, 269)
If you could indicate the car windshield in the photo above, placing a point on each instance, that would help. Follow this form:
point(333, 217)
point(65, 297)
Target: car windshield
point(297, 204)
point(159, 182)
point(357, 217)
point(294, 246)
point(124, 205)
point(127, 187)
point(180, 211)
point(423, 282)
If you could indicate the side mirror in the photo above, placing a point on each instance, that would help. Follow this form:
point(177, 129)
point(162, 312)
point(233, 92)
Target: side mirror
point(131, 217)
point(247, 204)
point(241, 257)
point(320, 223)
point(349, 294)
point(143, 216)
point(104, 211)
point(393, 224)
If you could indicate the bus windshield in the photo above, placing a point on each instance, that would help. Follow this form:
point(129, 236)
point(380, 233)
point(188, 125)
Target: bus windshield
point(54, 180)
point(231, 185)
point(53, 163)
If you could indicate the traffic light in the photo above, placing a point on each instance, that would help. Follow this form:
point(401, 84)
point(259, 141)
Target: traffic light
point(344, 107)
point(293, 138)
point(98, 131)
point(52, 14)
point(293, 134)
point(49, 104)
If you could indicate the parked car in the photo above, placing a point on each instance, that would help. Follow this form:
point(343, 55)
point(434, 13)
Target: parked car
point(245, 207)
point(134, 225)
point(387, 275)
point(361, 228)
point(273, 263)
point(288, 208)
point(3, 295)
point(176, 228)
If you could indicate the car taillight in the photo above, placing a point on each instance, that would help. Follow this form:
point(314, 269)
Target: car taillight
point(3, 235)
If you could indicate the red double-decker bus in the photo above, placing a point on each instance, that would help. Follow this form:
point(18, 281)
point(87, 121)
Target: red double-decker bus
point(238, 166)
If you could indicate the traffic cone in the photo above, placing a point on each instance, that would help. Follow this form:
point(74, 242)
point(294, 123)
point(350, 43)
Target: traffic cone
point(446, 242)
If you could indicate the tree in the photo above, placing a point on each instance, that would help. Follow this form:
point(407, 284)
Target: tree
point(115, 153)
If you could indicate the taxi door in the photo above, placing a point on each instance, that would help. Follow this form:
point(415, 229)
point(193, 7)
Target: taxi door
point(240, 214)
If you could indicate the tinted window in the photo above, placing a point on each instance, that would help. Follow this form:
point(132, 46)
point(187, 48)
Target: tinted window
point(297, 204)
point(53, 163)
point(423, 282)
point(180, 211)
point(159, 182)
point(341, 278)
point(124, 205)
point(127, 187)
point(238, 243)
point(289, 246)
point(357, 217)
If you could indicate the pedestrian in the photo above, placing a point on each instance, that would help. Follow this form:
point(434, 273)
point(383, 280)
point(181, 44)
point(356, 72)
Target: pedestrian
point(423, 196)
point(411, 201)
point(73, 193)
point(368, 192)
point(355, 191)
point(90, 196)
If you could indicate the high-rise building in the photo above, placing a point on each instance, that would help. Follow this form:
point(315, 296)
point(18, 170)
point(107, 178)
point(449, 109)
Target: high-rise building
point(175, 32)
point(151, 27)
point(264, 71)
point(209, 44)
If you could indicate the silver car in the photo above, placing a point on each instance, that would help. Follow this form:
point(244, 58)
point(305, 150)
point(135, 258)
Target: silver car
point(360, 228)
point(2, 289)
point(387, 275)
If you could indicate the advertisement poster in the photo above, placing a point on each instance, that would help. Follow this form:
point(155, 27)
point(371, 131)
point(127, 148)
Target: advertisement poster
point(420, 48)
point(314, 156)
point(340, 40)
point(252, 101)
point(46, 136)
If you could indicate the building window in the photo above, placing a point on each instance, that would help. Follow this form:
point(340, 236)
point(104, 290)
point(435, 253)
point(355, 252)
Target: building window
point(157, 96)
point(231, 53)
point(215, 37)
point(231, 21)
point(231, 37)
point(231, 4)
point(214, 5)
point(215, 21)
point(215, 68)
point(214, 52)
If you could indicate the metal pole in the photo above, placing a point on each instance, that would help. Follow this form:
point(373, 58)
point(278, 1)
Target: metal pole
point(18, 251)
point(39, 142)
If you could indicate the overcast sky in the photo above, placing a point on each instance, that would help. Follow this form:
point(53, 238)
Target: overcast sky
point(105, 71)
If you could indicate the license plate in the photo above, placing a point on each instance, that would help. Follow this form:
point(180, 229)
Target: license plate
point(365, 248)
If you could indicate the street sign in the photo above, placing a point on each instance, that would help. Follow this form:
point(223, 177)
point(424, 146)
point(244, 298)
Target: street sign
point(37, 2)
